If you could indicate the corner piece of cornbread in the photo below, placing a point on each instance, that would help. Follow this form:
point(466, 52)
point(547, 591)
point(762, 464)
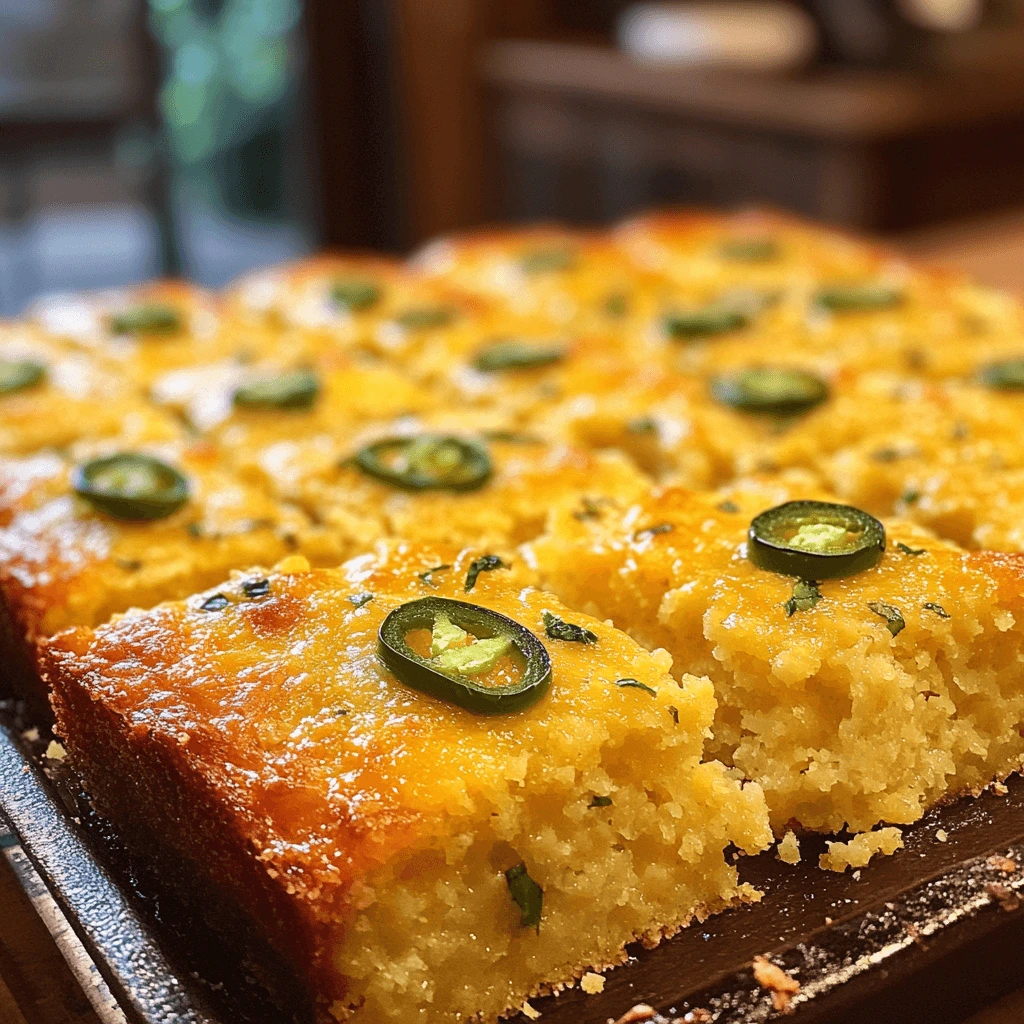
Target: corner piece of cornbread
point(901, 685)
point(398, 850)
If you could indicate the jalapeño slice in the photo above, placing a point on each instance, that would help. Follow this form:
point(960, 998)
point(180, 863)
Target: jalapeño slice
point(858, 298)
point(295, 390)
point(448, 677)
point(19, 374)
point(355, 294)
point(548, 260)
point(149, 318)
point(427, 462)
point(131, 487)
point(510, 354)
point(779, 391)
point(425, 318)
point(749, 249)
point(705, 322)
point(1007, 375)
point(815, 540)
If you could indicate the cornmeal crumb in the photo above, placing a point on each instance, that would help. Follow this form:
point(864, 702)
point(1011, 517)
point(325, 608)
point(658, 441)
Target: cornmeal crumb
point(529, 1011)
point(942, 835)
point(592, 983)
point(860, 849)
point(781, 986)
point(1000, 788)
point(55, 751)
point(1005, 864)
point(789, 848)
point(30, 735)
point(637, 1013)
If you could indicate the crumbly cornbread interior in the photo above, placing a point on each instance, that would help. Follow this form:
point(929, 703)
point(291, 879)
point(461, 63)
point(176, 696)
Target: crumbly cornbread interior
point(845, 721)
point(392, 816)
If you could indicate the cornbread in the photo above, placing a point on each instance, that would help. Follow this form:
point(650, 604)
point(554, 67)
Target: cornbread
point(412, 860)
point(64, 562)
point(657, 425)
point(886, 691)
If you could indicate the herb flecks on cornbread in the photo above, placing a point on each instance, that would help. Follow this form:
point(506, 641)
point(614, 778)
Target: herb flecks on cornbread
point(863, 701)
point(434, 863)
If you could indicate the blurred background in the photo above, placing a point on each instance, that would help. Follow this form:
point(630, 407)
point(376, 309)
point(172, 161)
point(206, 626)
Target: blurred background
point(203, 137)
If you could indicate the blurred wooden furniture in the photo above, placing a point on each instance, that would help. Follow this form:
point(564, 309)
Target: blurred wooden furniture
point(72, 84)
point(586, 134)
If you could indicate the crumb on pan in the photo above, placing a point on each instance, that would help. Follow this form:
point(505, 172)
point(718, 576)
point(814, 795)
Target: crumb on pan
point(781, 986)
point(1005, 864)
point(592, 983)
point(860, 849)
point(789, 848)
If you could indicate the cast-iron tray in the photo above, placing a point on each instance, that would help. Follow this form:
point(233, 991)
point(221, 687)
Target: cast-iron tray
point(924, 937)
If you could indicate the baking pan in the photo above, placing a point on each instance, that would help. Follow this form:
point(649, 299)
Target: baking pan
point(928, 935)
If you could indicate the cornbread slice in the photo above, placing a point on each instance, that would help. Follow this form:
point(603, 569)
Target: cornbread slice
point(577, 278)
point(52, 395)
point(64, 562)
point(529, 476)
point(411, 860)
point(894, 688)
point(355, 302)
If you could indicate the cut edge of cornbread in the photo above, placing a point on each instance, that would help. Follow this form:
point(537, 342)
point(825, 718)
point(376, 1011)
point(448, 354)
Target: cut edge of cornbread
point(653, 858)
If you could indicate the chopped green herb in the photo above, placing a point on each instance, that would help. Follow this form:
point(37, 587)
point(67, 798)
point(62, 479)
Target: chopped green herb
point(214, 604)
point(894, 620)
point(617, 304)
point(360, 599)
point(558, 629)
point(643, 425)
point(636, 685)
point(600, 801)
point(256, 588)
point(591, 510)
point(937, 608)
point(674, 712)
point(485, 563)
point(527, 894)
point(428, 575)
point(727, 506)
point(805, 596)
point(355, 295)
point(910, 497)
point(909, 550)
point(128, 564)
point(653, 531)
point(548, 260)
point(425, 318)
point(195, 530)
